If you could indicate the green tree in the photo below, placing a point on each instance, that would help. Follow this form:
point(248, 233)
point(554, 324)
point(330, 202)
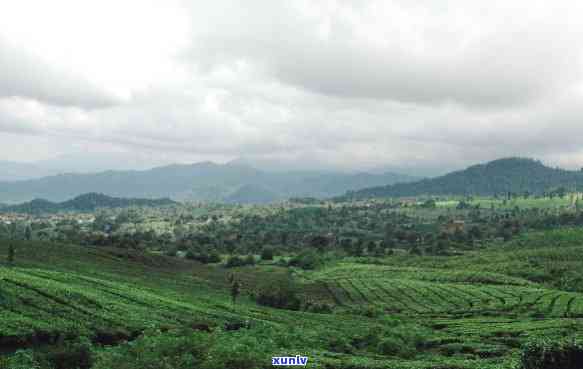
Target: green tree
point(415, 250)
point(267, 253)
point(358, 248)
point(28, 233)
point(379, 251)
point(280, 293)
point(235, 290)
point(10, 258)
point(429, 204)
point(475, 232)
point(249, 260)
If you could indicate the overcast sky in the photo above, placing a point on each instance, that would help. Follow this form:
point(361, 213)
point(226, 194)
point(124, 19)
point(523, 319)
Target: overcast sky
point(349, 84)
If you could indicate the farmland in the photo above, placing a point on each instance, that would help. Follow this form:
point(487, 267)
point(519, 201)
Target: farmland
point(377, 284)
point(464, 319)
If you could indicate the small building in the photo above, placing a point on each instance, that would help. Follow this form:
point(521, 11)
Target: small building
point(454, 226)
point(408, 201)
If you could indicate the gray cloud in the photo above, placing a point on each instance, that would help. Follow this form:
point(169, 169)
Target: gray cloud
point(23, 75)
point(338, 84)
point(433, 60)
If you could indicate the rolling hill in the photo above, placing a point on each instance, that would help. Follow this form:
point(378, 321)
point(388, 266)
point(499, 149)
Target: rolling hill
point(85, 202)
point(199, 182)
point(517, 175)
point(471, 312)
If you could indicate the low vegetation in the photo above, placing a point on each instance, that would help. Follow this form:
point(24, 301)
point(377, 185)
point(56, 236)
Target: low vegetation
point(442, 282)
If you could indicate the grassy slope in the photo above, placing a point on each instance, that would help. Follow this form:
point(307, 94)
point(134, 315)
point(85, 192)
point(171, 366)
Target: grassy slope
point(62, 290)
point(478, 308)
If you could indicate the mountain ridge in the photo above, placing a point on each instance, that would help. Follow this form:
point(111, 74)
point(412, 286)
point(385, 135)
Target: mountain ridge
point(84, 202)
point(513, 174)
point(205, 181)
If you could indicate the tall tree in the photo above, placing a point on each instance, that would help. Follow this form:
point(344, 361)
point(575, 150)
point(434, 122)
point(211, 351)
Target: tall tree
point(10, 258)
point(235, 290)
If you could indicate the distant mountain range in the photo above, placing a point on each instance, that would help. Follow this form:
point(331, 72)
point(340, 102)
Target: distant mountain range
point(11, 171)
point(516, 175)
point(85, 202)
point(239, 183)
point(77, 163)
point(200, 182)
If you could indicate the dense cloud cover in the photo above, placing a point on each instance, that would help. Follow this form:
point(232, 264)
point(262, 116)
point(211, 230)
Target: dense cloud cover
point(337, 84)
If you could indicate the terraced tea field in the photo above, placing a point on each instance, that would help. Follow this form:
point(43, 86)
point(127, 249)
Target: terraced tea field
point(474, 313)
point(490, 313)
point(451, 317)
point(410, 296)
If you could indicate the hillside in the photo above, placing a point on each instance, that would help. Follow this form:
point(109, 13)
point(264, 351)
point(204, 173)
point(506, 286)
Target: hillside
point(251, 194)
point(469, 312)
point(85, 202)
point(201, 182)
point(517, 175)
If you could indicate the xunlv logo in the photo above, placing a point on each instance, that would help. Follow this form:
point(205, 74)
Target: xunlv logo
point(289, 360)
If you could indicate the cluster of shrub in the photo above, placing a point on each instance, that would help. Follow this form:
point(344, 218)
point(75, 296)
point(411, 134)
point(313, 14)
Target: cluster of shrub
point(307, 259)
point(153, 350)
point(550, 353)
point(238, 261)
point(240, 345)
point(393, 338)
point(282, 293)
point(204, 257)
point(250, 345)
point(213, 256)
point(68, 354)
